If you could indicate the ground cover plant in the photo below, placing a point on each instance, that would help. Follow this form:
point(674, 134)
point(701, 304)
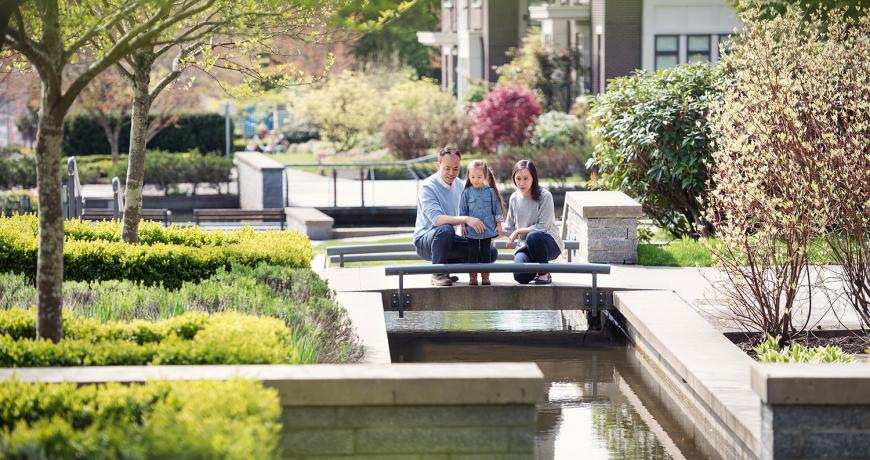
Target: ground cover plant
point(167, 256)
point(235, 419)
point(772, 351)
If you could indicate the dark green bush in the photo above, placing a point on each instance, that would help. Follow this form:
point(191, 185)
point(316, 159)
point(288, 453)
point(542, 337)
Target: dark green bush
point(93, 251)
point(163, 169)
point(201, 131)
point(190, 338)
point(235, 419)
point(17, 172)
point(654, 144)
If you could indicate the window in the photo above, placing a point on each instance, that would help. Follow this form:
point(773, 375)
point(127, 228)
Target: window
point(698, 48)
point(667, 51)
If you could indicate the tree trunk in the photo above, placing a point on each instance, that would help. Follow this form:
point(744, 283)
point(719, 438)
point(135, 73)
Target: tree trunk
point(49, 266)
point(136, 158)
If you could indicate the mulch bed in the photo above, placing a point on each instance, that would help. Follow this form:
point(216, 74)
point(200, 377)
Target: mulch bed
point(853, 342)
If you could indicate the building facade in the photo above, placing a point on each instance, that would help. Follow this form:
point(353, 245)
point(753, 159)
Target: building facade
point(612, 37)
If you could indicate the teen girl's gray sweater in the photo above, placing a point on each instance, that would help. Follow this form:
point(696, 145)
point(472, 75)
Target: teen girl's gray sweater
point(525, 212)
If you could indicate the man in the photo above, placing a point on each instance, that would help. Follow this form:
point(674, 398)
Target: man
point(437, 212)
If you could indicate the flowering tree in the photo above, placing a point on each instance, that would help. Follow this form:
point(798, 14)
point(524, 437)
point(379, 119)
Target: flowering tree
point(792, 162)
point(505, 116)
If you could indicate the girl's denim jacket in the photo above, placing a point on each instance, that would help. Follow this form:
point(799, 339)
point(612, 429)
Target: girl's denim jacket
point(481, 203)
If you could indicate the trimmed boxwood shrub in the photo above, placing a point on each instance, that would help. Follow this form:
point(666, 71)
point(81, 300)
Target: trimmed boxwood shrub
point(190, 338)
point(297, 296)
point(235, 419)
point(167, 256)
point(201, 131)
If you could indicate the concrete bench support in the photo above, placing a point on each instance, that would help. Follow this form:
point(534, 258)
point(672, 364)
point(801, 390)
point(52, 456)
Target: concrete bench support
point(604, 223)
point(814, 410)
point(261, 181)
point(309, 221)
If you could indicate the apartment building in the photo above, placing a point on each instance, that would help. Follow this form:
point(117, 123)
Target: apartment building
point(613, 37)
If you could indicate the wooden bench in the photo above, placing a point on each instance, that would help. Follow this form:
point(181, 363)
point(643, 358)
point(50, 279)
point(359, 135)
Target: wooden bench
point(159, 215)
point(240, 215)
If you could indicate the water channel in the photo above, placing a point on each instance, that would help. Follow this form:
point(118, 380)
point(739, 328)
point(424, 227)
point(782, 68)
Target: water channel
point(601, 403)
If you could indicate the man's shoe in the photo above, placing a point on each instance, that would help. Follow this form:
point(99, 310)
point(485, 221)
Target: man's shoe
point(543, 278)
point(441, 279)
point(454, 278)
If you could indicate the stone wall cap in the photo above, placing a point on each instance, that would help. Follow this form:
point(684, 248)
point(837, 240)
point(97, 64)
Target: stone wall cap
point(812, 384)
point(603, 205)
point(336, 384)
point(258, 161)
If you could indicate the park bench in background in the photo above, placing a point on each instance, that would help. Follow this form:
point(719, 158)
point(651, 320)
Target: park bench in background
point(401, 251)
point(268, 216)
point(163, 216)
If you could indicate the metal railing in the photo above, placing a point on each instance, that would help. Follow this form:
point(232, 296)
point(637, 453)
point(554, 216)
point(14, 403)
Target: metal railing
point(402, 251)
point(363, 166)
point(403, 299)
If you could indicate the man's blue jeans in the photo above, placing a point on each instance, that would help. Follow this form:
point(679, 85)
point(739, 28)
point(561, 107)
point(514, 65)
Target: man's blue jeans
point(442, 245)
point(540, 248)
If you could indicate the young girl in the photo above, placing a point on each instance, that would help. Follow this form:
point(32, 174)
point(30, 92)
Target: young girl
point(481, 199)
point(531, 221)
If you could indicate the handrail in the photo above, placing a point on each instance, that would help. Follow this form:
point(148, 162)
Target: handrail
point(364, 164)
point(403, 300)
point(600, 269)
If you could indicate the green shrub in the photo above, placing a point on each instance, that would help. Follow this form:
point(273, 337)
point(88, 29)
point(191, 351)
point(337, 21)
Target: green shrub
point(14, 202)
point(654, 143)
point(235, 419)
point(170, 256)
point(18, 171)
point(190, 338)
point(770, 351)
point(298, 297)
point(556, 128)
point(204, 132)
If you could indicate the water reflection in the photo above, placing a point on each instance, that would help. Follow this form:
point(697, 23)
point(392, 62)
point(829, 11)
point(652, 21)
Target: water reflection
point(597, 406)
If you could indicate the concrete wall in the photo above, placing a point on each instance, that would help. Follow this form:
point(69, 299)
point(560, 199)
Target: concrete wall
point(261, 181)
point(368, 411)
point(814, 410)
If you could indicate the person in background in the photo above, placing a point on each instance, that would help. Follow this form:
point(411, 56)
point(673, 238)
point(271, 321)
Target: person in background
point(481, 200)
point(531, 223)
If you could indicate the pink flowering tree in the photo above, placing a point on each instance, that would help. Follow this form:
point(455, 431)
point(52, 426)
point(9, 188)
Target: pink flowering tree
point(505, 116)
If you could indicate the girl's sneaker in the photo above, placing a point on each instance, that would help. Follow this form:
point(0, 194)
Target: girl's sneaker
point(472, 279)
point(543, 278)
point(484, 279)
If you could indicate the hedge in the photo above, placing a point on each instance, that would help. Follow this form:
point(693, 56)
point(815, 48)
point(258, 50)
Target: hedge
point(190, 338)
point(234, 419)
point(202, 131)
point(298, 297)
point(19, 171)
point(167, 256)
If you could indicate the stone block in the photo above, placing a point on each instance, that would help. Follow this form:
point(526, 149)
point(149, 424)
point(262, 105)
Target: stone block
point(613, 245)
point(308, 417)
point(603, 204)
point(323, 441)
point(261, 181)
point(310, 222)
point(523, 439)
point(447, 416)
point(825, 444)
point(412, 440)
point(608, 223)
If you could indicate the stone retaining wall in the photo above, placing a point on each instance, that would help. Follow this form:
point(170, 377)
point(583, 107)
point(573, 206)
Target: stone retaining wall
point(814, 410)
point(481, 411)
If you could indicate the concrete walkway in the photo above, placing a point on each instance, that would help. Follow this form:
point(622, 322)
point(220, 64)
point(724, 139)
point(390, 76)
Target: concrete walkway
point(694, 285)
point(313, 190)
